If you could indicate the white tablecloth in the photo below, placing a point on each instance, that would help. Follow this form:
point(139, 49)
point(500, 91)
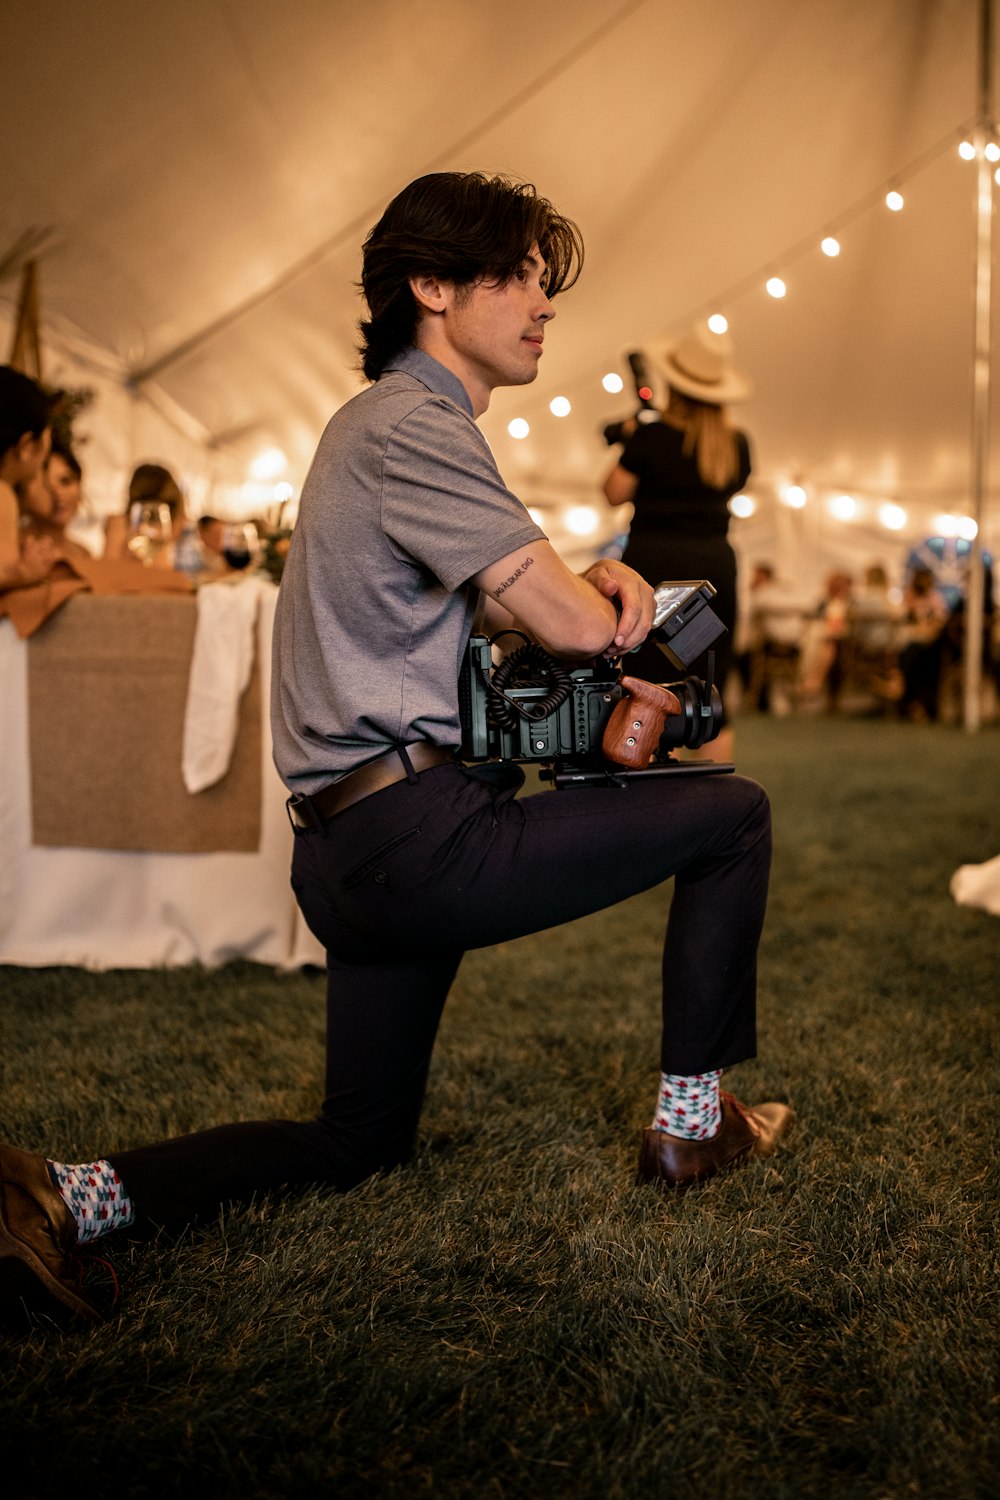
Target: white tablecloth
point(105, 909)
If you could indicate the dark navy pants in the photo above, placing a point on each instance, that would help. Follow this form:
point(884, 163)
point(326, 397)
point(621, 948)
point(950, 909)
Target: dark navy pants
point(398, 886)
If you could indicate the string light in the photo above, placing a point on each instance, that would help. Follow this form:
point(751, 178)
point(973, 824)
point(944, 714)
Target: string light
point(893, 517)
point(742, 506)
point(518, 428)
point(581, 520)
point(559, 406)
point(844, 507)
point(268, 464)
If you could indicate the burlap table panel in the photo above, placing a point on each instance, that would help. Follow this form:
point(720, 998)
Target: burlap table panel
point(107, 689)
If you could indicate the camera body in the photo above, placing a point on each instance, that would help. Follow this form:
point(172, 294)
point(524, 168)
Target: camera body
point(592, 722)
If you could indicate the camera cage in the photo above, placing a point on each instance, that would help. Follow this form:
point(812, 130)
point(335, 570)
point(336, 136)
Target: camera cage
point(529, 707)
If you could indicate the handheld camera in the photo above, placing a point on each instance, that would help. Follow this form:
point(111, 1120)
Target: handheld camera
point(592, 724)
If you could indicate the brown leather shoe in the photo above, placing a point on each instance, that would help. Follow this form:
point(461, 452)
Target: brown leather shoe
point(37, 1236)
point(744, 1133)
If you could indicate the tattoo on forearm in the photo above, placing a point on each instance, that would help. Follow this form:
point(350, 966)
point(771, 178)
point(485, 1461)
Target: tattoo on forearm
point(517, 573)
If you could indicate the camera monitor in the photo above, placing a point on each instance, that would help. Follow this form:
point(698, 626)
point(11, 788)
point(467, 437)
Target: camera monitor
point(684, 624)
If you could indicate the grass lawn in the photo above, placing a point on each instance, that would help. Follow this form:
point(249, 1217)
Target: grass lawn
point(511, 1315)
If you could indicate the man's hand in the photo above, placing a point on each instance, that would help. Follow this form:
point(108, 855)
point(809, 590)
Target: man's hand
point(633, 596)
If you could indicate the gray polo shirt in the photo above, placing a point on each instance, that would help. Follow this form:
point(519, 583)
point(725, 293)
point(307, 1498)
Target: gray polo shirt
point(402, 506)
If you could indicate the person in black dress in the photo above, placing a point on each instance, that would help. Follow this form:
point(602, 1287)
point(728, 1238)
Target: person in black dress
point(680, 473)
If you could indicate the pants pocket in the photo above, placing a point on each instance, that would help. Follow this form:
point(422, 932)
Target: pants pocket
point(373, 864)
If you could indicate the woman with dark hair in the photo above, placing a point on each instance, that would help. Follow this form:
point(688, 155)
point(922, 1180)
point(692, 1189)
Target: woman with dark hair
point(25, 437)
point(680, 473)
point(53, 498)
point(149, 483)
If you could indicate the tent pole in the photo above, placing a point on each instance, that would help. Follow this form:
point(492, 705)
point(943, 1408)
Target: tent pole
point(980, 373)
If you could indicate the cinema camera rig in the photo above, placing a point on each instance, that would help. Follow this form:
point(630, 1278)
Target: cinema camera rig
point(591, 725)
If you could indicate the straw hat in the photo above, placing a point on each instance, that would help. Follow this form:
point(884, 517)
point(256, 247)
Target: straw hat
point(700, 364)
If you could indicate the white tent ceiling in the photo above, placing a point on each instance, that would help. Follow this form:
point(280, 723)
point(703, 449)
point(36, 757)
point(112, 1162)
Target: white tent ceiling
point(204, 172)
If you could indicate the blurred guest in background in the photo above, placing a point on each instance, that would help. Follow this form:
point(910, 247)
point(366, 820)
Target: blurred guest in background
point(151, 484)
point(25, 439)
point(925, 615)
point(52, 499)
point(825, 653)
point(875, 643)
point(680, 473)
point(770, 642)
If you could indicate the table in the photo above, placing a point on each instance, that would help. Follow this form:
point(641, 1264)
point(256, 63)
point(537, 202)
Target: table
point(140, 908)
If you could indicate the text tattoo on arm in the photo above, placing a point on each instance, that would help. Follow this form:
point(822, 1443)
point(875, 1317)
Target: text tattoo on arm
point(517, 573)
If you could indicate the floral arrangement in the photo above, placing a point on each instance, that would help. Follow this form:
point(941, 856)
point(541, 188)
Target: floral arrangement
point(275, 544)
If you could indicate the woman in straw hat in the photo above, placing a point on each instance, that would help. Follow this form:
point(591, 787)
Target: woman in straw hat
point(680, 473)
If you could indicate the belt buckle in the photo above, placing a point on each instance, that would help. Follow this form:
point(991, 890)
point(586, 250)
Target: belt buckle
point(298, 803)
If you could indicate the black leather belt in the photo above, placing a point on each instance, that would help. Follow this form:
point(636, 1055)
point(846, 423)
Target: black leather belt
point(314, 810)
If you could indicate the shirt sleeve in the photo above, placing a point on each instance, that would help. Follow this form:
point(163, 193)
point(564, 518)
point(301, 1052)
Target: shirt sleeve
point(443, 503)
point(634, 454)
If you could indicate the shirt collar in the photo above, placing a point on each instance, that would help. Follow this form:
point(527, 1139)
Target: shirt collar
point(431, 373)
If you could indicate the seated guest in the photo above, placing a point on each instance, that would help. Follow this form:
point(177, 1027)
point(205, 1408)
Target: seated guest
point(52, 498)
point(825, 646)
point(211, 534)
point(149, 482)
point(925, 615)
point(771, 636)
point(25, 437)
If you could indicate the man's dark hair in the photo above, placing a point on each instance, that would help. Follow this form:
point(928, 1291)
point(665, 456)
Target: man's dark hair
point(24, 407)
point(463, 227)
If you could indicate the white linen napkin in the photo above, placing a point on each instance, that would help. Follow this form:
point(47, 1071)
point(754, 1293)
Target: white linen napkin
point(978, 885)
point(221, 663)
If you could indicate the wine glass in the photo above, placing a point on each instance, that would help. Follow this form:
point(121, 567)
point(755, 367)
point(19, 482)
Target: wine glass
point(240, 544)
point(149, 530)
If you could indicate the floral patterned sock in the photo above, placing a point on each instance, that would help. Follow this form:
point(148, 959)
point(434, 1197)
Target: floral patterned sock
point(95, 1196)
point(689, 1106)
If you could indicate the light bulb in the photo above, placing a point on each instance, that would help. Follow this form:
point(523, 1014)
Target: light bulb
point(991, 151)
point(559, 406)
point(967, 528)
point(518, 428)
point(268, 464)
point(536, 516)
point(613, 383)
point(776, 287)
point(830, 246)
point(946, 526)
point(718, 323)
point(794, 495)
point(581, 520)
point(967, 151)
point(742, 506)
point(893, 517)
point(894, 201)
point(844, 507)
